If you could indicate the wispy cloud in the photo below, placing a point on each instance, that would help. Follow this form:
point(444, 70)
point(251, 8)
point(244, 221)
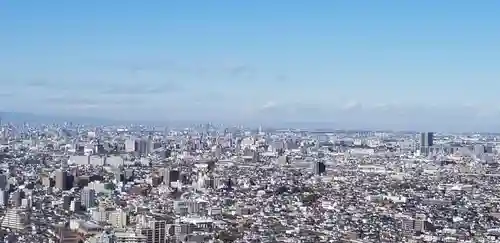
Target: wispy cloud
point(69, 100)
point(352, 105)
point(282, 78)
point(142, 88)
point(241, 71)
point(119, 86)
point(269, 105)
point(146, 64)
point(234, 71)
point(5, 94)
point(66, 100)
point(289, 111)
point(51, 84)
point(38, 83)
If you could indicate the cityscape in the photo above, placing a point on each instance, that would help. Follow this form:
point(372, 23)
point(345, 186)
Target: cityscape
point(252, 121)
point(209, 183)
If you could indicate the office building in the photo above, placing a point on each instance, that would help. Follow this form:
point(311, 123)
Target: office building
point(426, 139)
point(88, 197)
point(66, 202)
point(170, 176)
point(118, 219)
point(319, 168)
point(3, 181)
point(100, 214)
point(142, 147)
point(4, 198)
point(130, 145)
point(154, 227)
point(426, 142)
point(17, 198)
point(75, 206)
point(61, 179)
point(419, 225)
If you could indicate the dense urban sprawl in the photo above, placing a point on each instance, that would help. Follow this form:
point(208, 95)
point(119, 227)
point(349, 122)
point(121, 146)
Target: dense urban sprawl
point(75, 183)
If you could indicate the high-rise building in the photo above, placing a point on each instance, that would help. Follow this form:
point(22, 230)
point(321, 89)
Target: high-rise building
point(149, 145)
point(100, 214)
point(155, 228)
point(118, 219)
point(141, 147)
point(61, 179)
point(3, 181)
point(88, 197)
point(426, 139)
point(419, 225)
point(66, 202)
point(75, 205)
point(319, 168)
point(426, 142)
point(17, 198)
point(128, 174)
point(130, 146)
point(170, 176)
point(4, 197)
point(406, 223)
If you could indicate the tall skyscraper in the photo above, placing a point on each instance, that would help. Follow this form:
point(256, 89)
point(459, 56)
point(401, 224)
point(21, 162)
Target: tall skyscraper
point(149, 144)
point(3, 181)
point(88, 197)
point(4, 197)
point(141, 146)
point(426, 139)
point(66, 202)
point(130, 145)
point(61, 179)
point(319, 168)
point(170, 175)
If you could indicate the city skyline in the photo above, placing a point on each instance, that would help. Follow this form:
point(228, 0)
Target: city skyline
point(384, 64)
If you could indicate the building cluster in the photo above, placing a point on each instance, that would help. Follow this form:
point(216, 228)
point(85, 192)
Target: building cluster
point(136, 184)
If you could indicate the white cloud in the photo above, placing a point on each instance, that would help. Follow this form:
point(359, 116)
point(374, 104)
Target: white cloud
point(269, 105)
point(351, 105)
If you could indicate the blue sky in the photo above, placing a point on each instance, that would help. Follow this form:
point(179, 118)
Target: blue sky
point(369, 62)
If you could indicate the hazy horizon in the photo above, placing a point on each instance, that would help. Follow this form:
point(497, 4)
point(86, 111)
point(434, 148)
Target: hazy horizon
point(333, 124)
